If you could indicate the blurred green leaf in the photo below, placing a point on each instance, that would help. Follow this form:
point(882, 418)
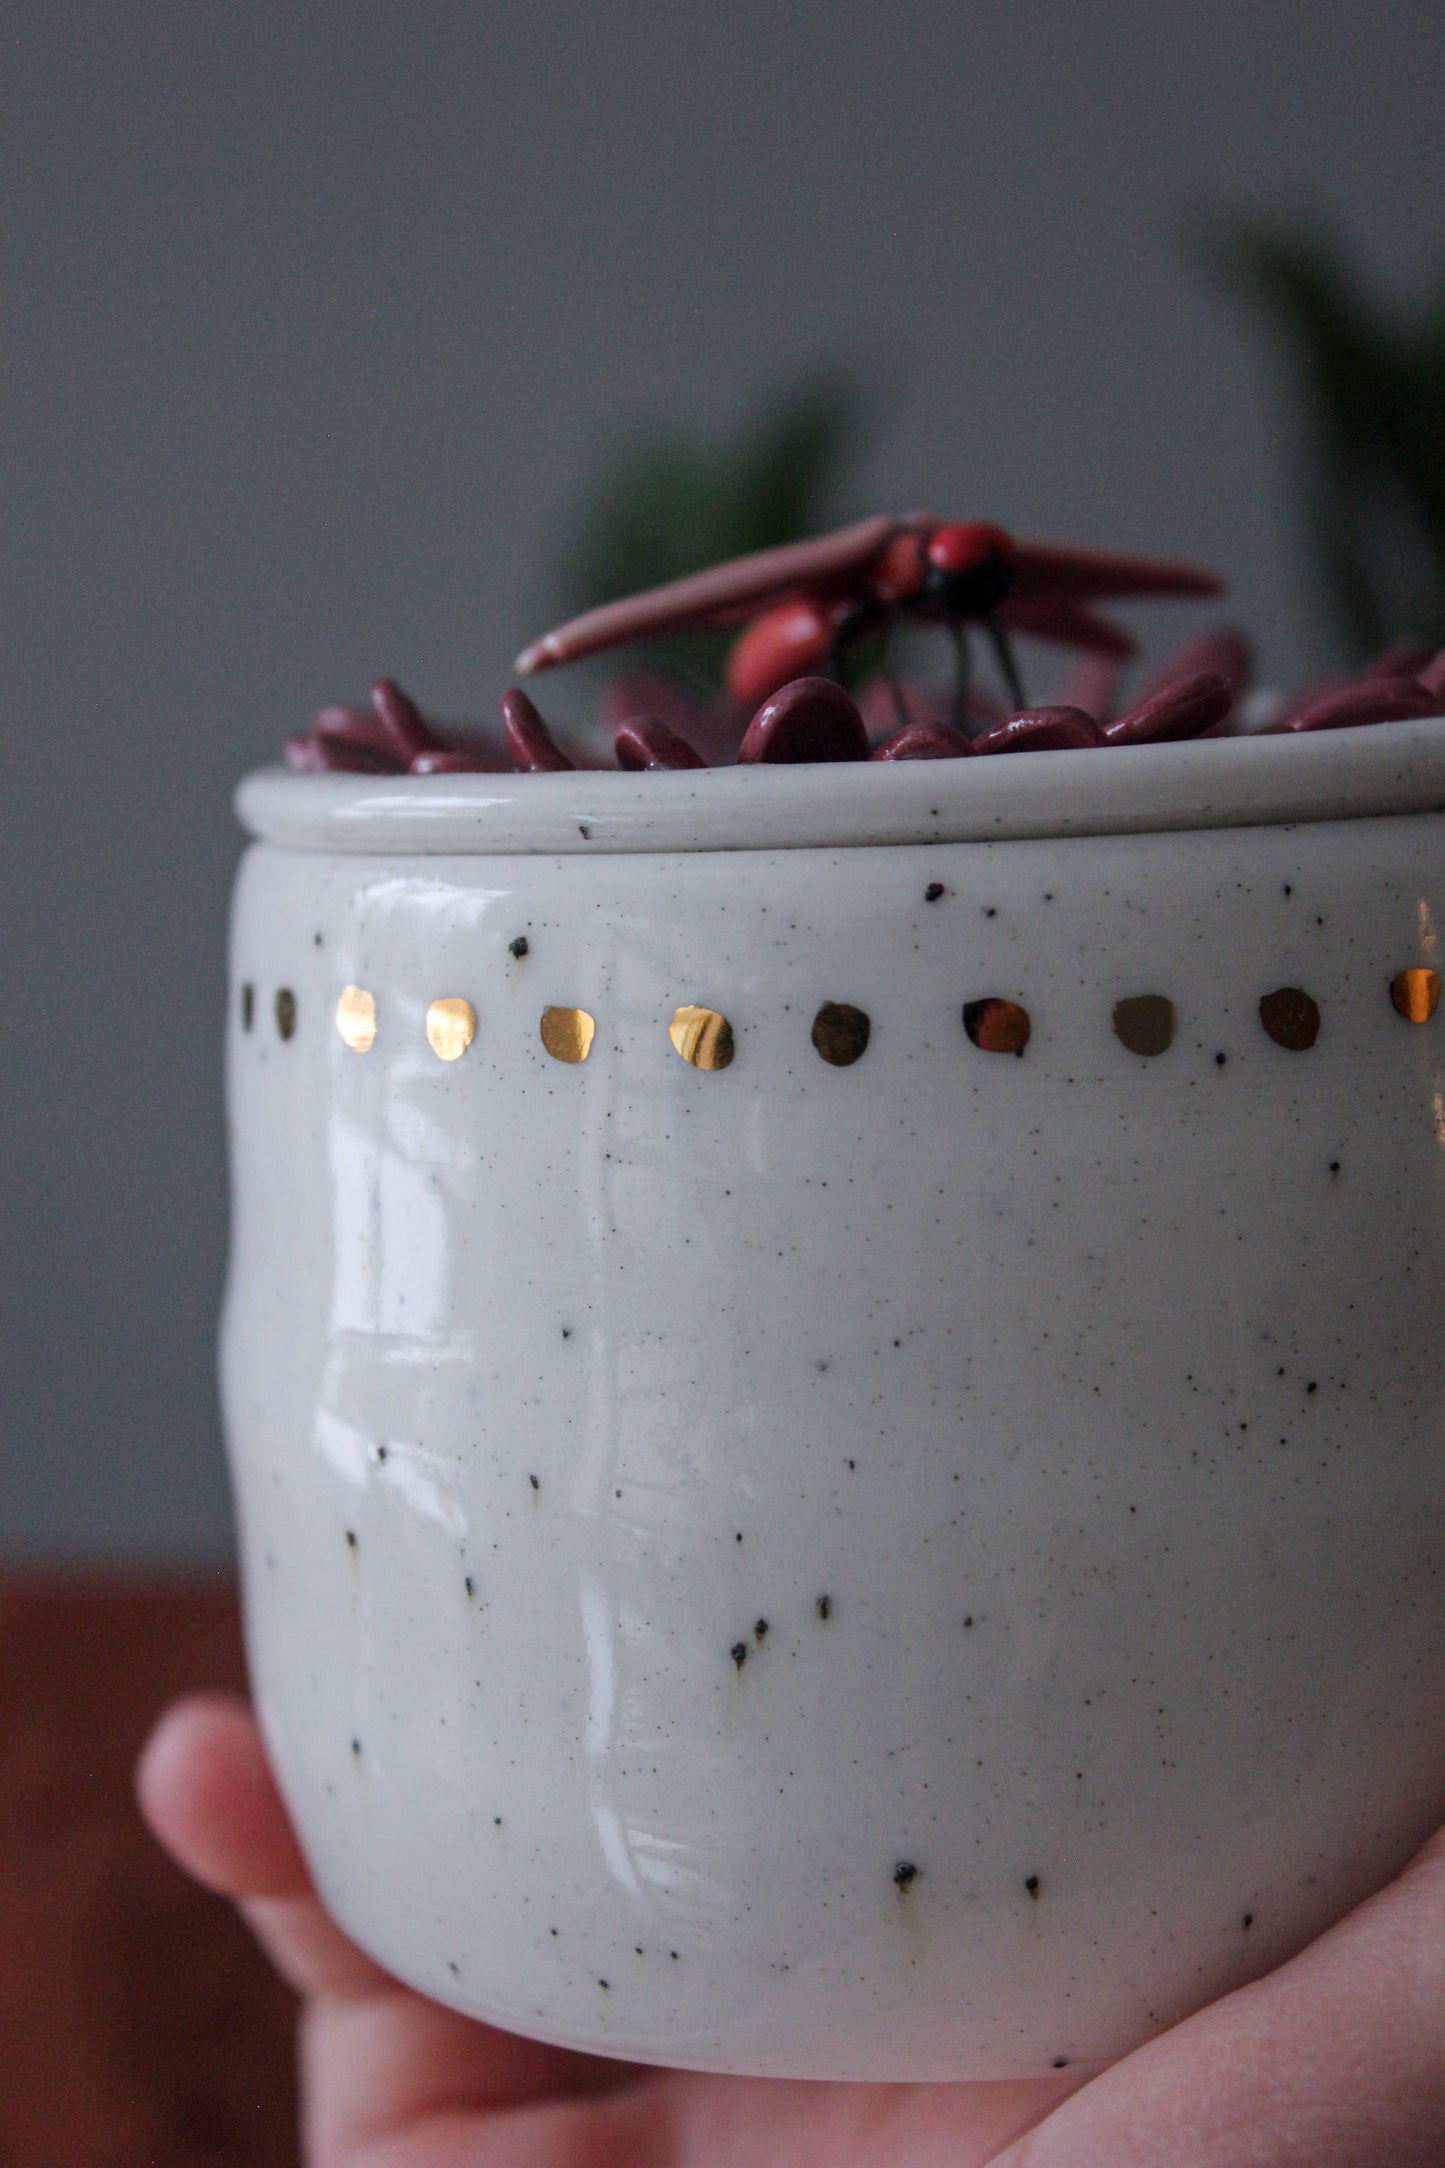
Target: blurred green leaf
point(1371, 384)
point(668, 501)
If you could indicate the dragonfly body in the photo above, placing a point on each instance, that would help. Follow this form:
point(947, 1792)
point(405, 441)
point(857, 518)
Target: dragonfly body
point(802, 606)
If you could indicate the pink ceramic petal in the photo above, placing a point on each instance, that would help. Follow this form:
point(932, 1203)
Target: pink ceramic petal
point(1185, 709)
point(1432, 677)
point(455, 760)
point(529, 741)
point(352, 726)
point(344, 758)
point(401, 721)
point(1401, 659)
point(811, 719)
point(1041, 730)
point(713, 728)
point(643, 742)
point(486, 752)
point(1307, 697)
point(1224, 652)
point(303, 756)
point(924, 741)
point(1090, 685)
point(1377, 700)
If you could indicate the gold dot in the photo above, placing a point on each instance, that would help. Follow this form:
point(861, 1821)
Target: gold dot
point(702, 1037)
point(567, 1034)
point(451, 1026)
point(1416, 995)
point(840, 1033)
point(356, 1018)
point(285, 1011)
point(1291, 1018)
point(248, 1006)
point(997, 1026)
point(1145, 1023)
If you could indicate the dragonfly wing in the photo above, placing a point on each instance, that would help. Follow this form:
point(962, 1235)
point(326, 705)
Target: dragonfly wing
point(722, 595)
point(1067, 624)
point(1046, 571)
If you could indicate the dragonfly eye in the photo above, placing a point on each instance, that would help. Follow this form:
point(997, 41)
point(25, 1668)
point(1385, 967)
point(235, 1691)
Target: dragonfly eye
point(968, 548)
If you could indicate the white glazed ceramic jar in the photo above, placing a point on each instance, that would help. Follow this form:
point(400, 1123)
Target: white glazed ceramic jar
point(917, 1565)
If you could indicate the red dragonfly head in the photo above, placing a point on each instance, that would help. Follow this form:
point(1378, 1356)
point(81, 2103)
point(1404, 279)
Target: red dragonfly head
point(964, 568)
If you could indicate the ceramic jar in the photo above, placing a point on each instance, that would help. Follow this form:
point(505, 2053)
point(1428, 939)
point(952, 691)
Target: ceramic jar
point(835, 1386)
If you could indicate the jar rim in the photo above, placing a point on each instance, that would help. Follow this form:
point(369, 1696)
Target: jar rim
point(1386, 768)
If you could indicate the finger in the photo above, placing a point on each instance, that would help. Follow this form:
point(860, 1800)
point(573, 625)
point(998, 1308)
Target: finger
point(377, 2053)
point(686, 2119)
point(627, 2131)
point(1337, 2060)
point(207, 1792)
point(387, 2064)
point(310, 1951)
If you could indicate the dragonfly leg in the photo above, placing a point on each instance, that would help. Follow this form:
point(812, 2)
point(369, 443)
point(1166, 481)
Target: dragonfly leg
point(890, 675)
point(1003, 649)
point(861, 624)
point(961, 673)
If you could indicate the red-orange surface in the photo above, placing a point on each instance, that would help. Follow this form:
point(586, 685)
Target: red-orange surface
point(138, 2024)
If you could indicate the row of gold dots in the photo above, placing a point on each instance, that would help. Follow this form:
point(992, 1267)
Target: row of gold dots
point(1144, 1023)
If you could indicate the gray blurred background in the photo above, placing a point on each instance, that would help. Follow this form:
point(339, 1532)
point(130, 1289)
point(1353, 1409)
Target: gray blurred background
point(314, 323)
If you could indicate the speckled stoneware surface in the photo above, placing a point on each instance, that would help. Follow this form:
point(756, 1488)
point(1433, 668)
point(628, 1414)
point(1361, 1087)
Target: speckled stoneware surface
point(922, 1566)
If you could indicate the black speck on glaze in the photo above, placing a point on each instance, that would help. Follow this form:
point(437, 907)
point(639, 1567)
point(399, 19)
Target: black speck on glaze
point(933, 891)
point(351, 1543)
point(739, 1653)
point(248, 1006)
point(356, 1750)
point(470, 1586)
point(760, 1631)
point(824, 1607)
point(586, 834)
point(454, 1968)
point(1031, 1884)
point(566, 1332)
point(605, 1985)
point(519, 947)
point(1220, 1060)
point(905, 1874)
point(1334, 1166)
point(968, 1622)
point(1247, 1921)
point(1061, 2062)
point(535, 1482)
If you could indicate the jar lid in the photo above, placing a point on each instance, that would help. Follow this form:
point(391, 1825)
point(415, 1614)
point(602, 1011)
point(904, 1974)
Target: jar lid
point(1204, 783)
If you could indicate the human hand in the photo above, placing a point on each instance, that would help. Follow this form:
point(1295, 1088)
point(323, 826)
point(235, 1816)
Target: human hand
point(1337, 2060)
